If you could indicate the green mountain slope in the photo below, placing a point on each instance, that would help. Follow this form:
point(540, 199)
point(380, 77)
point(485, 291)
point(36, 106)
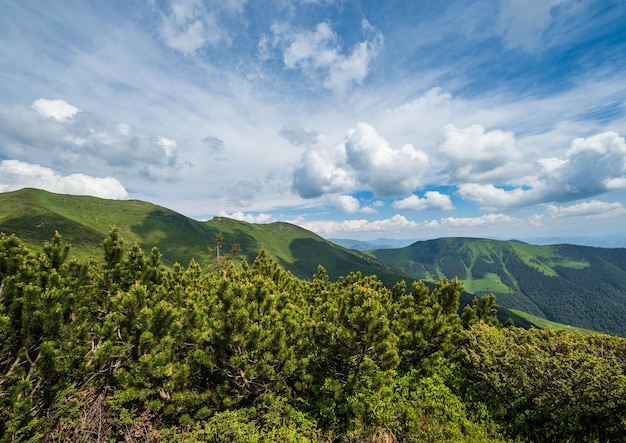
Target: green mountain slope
point(575, 285)
point(35, 215)
point(298, 250)
point(83, 221)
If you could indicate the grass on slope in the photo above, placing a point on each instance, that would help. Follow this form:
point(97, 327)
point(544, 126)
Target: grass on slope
point(543, 323)
point(544, 258)
point(85, 221)
point(298, 250)
point(491, 282)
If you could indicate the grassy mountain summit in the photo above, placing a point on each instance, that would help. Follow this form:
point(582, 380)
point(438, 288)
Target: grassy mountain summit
point(575, 285)
point(84, 221)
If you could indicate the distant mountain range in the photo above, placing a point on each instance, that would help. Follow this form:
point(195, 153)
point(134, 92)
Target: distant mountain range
point(608, 241)
point(379, 243)
point(574, 285)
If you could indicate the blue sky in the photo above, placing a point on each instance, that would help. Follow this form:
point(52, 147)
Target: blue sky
point(354, 119)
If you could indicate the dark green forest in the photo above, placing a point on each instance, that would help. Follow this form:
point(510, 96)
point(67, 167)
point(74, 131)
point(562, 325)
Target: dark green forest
point(125, 348)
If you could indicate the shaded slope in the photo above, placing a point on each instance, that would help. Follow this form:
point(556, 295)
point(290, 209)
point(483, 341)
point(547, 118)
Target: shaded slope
point(298, 250)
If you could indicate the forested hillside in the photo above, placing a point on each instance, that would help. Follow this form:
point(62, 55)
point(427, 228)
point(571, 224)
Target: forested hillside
point(126, 349)
point(575, 285)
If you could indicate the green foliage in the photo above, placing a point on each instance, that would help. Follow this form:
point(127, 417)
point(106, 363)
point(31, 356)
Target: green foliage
point(481, 310)
point(126, 349)
point(549, 385)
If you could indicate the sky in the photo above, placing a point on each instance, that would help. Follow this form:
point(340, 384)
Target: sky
point(353, 119)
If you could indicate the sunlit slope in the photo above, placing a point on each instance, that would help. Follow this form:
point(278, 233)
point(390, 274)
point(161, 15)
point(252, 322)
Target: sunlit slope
point(574, 285)
point(35, 215)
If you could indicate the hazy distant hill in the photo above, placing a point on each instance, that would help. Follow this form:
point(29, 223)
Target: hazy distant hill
point(380, 243)
point(576, 285)
point(600, 241)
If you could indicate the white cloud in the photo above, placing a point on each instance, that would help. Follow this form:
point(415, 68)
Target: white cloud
point(368, 210)
point(15, 175)
point(56, 109)
point(188, 25)
point(615, 183)
point(588, 209)
point(53, 132)
point(388, 171)
point(323, 170)
point(169, 147)
point(184, 29)
point(431, 200)
point(397, 223)
point(489, 196)
point(487, 219)
point(477, 156)
point(247, 217)
point(295, 134)
point(346, 203)
point(364, 161)
point(124, 129)
point(592, 166)
point(318, 54)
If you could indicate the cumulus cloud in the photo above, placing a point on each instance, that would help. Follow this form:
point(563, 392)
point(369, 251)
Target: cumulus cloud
point(55, 133)
point(247, 217)
point(431, 200)
point(318, 54)
point(492, 197)
point(388, 171)
point(329, 227)
point(346, 203)
point(477, 156)
point(592, 163)
point(365, 160)
point(15, 175)
point(323, 170)
point(592, 166)
point(56, 109)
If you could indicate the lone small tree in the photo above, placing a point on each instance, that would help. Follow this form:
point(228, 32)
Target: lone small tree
point(219, 241)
